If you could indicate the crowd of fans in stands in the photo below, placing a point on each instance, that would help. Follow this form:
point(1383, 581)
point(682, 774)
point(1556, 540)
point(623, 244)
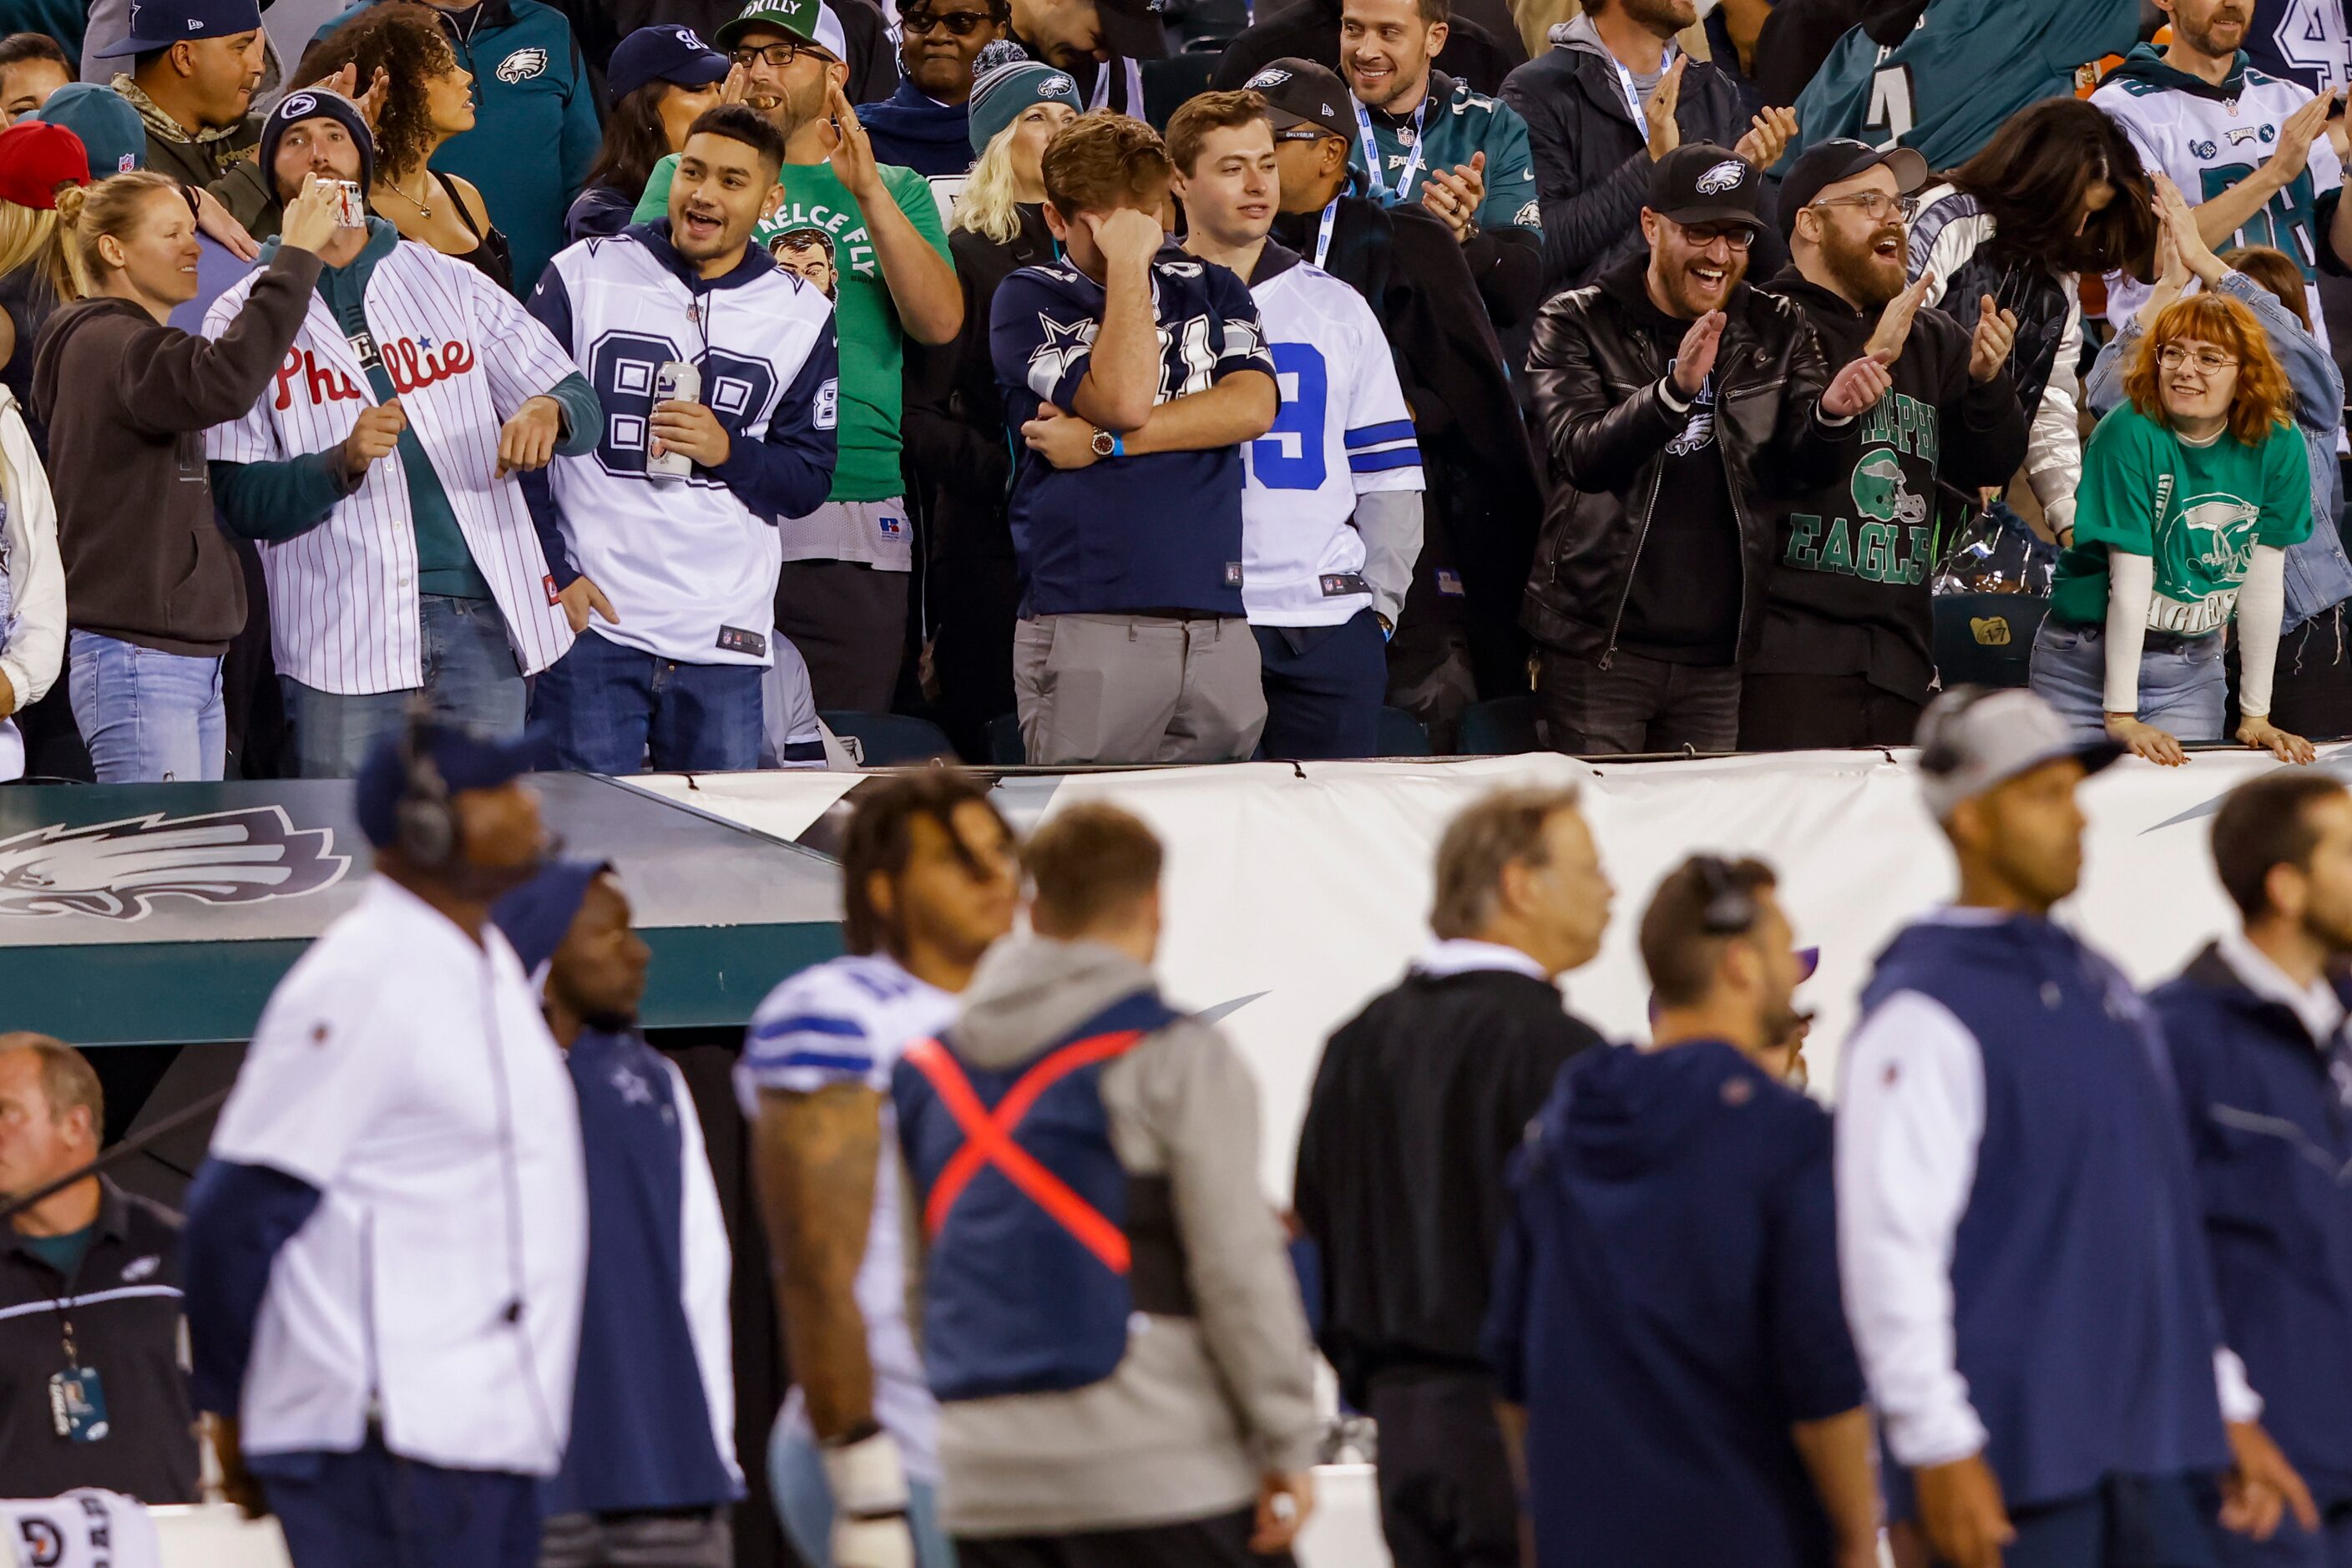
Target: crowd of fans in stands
point(1701, 357)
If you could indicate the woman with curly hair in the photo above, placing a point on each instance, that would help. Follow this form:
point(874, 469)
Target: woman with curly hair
point(428, 98)
point(2193, 488)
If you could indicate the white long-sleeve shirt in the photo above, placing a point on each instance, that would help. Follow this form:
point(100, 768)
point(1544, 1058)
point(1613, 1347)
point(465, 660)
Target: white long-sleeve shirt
point(32, 581)
point(1910, 1118)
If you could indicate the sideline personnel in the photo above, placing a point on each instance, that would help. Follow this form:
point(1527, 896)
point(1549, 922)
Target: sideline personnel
point(388, 1242)
point(2016, 1219)
point(1416, 1107)
point(1666, 1304)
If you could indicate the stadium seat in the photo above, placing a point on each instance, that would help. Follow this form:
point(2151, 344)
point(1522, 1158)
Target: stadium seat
point(1986, 639)
point(1504, 727)
point(1004, 746)
point(888, 739)
point(1401, 734)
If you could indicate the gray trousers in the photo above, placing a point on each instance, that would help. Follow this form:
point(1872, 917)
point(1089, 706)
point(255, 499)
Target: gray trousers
point(637, 1541)
point(1136, 689)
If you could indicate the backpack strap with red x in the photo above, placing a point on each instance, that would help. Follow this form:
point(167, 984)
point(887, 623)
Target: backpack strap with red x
point(988, 1139)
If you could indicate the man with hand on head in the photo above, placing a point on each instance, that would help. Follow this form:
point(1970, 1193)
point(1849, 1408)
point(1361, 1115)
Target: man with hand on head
point(385, 1249)
point(1134, 374)
point(1659, 536)
point(379, 475)
point(1331, 507)
point(2025, 1270)
point(1667, 1309)
point(2256, 1026)
point(842, 594)
point(649, 1473)
point(670, 580)
point(1416, 1105)
point(1849, 651)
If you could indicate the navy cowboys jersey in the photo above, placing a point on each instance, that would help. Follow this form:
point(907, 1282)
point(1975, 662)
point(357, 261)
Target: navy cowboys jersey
point(1160, 532)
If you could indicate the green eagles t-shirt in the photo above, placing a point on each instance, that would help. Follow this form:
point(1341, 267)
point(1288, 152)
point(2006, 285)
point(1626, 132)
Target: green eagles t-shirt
point(2199, 511)
point(865, 320)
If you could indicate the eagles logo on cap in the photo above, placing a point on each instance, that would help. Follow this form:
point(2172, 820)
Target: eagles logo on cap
point(1725, 177)
point(1057, 83)
point(1268, 77)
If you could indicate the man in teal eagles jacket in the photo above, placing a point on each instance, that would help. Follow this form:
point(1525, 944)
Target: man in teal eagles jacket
point(535, 131)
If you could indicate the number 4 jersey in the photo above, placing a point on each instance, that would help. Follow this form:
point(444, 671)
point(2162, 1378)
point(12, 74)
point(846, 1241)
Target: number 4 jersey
point(2209, 138)
point(1344, 431)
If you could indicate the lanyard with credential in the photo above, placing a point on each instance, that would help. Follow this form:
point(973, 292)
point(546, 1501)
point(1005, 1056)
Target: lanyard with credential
point(1323, 238)
point(1372, 152)
point(1632, 95)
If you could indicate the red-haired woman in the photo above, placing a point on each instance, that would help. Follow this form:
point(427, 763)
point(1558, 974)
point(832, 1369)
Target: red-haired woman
point(2192, 490)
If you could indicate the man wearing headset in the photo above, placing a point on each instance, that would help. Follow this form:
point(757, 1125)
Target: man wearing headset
point(2019, 1231)
point(1665, 1307)
point(384, 1252)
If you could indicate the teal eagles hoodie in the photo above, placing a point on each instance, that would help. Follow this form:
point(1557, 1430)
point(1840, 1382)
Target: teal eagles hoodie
point(535, 125)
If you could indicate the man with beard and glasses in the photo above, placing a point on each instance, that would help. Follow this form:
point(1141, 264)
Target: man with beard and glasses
point(2251, 149)
point(2256, 1024)
point(842, 594)
point(1667, 1308)
point(649, 1472)
point(925, 124)
point(669, 581)
point(1848, 656)
point(386, 1248)
point(2025, 1272)
point(1658, 540)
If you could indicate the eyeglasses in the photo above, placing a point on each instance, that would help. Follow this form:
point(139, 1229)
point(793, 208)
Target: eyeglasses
point(776, 57)
point(2173, 356)
point(1875, 205)
point(1738, 235)
point(962, 24)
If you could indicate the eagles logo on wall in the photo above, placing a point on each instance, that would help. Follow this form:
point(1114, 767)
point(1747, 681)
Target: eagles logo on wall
point(116, 870)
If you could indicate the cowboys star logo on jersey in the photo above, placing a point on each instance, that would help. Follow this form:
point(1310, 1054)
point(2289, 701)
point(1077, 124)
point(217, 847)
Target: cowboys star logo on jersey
point(116, 870)
point(1064, 347)
point(521, 66)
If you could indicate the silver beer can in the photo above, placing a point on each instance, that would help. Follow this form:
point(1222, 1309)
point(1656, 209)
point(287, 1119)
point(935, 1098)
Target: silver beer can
point(675, 382)
point(351, 204)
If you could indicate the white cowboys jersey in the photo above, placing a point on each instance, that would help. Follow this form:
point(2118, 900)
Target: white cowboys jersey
point(2208, 145)
point(691, 568)
point(846, 1021)
point(346, 613)
point(1343, 431)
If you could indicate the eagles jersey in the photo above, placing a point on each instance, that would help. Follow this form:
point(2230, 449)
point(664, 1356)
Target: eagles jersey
point(1453, 123)
point(845, 1022)
point(691, 562)
point(1344, 430)
point(2209, 138)
point(1965, 66)
point(1158, 531)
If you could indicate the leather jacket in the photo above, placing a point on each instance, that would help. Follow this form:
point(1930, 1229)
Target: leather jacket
point(1596, 370)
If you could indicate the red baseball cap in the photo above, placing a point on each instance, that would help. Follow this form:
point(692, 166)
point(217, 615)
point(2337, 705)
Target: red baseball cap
point(36, 158)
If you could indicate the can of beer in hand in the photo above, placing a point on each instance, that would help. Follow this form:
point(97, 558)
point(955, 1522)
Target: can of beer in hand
point(675, 382)
point(351, 204)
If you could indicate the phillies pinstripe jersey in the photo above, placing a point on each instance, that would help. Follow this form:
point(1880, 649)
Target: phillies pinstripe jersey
point(1343, 431)
point(345, 611)
point(691, 562)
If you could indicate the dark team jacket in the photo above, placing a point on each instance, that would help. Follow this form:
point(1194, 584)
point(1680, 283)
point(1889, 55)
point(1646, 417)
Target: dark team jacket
point(1597, 373)
point(2270, 1130)
point(1666, 1307)
point(1848, 589)
point(125, 1304)
point(1156, 532)
point(1416, 1105)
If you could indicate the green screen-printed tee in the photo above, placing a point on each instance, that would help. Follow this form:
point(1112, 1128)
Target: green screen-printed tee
point(2197, 511)
point(865, 322)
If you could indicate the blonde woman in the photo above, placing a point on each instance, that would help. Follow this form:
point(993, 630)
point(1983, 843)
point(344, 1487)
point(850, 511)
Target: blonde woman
point(153, 593)
point(954, 421)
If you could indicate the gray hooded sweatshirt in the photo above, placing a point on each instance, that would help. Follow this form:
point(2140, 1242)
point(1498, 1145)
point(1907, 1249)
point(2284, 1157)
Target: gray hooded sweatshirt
point(1202, 1407)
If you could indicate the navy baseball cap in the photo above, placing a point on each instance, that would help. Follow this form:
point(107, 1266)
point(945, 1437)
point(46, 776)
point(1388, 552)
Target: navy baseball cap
point(465, 758)
point(537, 916)
point(675, 55)
point(160, 24)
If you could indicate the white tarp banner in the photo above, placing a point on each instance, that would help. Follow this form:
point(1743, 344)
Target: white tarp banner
point(1295, 894)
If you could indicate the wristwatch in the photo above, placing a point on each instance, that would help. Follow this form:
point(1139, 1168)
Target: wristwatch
point(1104, 443)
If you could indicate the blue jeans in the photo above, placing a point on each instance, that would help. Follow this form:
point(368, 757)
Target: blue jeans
point(804, 1504)
point(470, 678)
point(1323, 688)
point(607, 707)
point(2182, 689)
point(147, 716)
